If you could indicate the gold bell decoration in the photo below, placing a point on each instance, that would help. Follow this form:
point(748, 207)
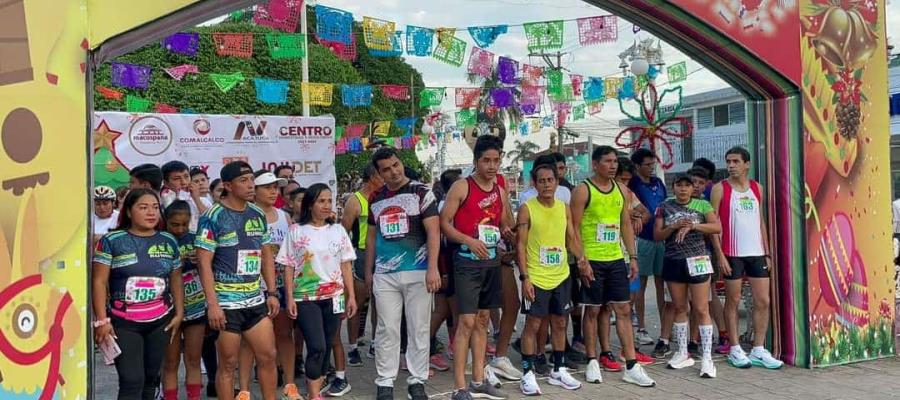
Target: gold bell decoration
point(843, 37)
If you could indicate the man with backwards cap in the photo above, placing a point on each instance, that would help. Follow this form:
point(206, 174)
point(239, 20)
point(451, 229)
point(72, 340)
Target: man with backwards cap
point(232, 251)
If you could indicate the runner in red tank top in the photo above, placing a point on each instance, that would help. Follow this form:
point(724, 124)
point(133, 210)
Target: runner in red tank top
point(479, 217)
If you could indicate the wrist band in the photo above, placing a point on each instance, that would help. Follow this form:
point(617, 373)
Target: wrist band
point(101, 322)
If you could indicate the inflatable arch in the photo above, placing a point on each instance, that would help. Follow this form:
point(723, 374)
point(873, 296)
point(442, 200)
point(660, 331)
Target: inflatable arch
point(812, 70)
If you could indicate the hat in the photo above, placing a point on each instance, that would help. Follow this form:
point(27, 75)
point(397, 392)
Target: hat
point(682, 177)
point(268, 178)
point(234, 169)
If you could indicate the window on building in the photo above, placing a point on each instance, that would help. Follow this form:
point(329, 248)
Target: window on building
point(720, 115)
point(705, 118)
point(687, 146)
point(736, 113)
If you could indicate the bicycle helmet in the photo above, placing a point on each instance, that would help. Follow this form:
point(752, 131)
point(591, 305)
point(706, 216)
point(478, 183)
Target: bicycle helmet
point(104, 193)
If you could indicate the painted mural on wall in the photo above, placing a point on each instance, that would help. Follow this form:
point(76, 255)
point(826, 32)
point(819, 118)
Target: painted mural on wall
point(851, 275)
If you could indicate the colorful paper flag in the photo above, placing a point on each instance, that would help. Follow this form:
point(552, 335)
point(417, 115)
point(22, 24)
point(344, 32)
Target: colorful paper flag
point(531, 75)
point(163, 108)
point(431, 97)
point(594, 89)
point(184, 43)
point(378, 34)
point(355, 130)
point(576, 84)
point(531, 95)
point(317, 94)
point(468, 97)
point(578, 112)
point(626, 91)
point(346, 52)
point(226, 82)
point(481, 62)
point(406, 125)
point(484, 36)
point(546, 35)
point(136, 104)
point(279, 14)
point(466, 117)
point(271, 91)
point(508, 71)
point(396, 47)
point(597, 30)
point(178, 72)
point(334, 25)
point(130, 76)
point(450, 50)
point(396, 92)
point(381, 128)
point(419, 41)
point(677, 72)
point(286, 45)
point(356, 95)
point(502, 97)
point(109, 93)
point(611, 87)
point(554, 81)
point(234, 44)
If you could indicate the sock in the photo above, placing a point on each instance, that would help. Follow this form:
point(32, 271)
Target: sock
point(170, 394)
point(193, 391)
point(723, 334)
point(340, 375)
point(558, 360)
point(680, 329)
point(706, 332)
point(353, 347)
point(527, 363)
point(630, 363)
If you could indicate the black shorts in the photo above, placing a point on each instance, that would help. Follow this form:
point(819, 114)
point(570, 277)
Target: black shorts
point(753, 267)
point(244, 319)
point(359, 266)
point(676, 270)
point(556, 301)
point(575, 284)
point(477, 285)
point(610, 284)
point(196, 321)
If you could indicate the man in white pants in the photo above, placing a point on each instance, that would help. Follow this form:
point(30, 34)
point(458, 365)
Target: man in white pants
point(402, 247)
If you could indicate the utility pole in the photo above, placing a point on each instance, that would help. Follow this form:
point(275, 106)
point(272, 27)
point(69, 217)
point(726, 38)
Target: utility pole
point(558, 65)
point(305, 72)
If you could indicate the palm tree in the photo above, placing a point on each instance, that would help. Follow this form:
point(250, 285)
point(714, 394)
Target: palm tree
point(523, 151)
point(501, 118)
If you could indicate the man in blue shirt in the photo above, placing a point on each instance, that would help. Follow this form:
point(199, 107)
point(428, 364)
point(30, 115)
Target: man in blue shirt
point(651, 191)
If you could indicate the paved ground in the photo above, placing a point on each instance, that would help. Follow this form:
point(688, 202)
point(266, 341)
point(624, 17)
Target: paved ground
point(872, 380)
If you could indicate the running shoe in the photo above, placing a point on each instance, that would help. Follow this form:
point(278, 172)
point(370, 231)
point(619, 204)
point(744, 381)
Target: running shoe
point(290, 392)
point(243, 395)
point(707, 368)
point(680, 360)
point(562, 379)
point(724, 346)
point(608, 363)
point(338, 388)
point(529, 385)
point(459, 394)
point(638, 376)
point(504, 368)
point(387, 393)
point(662, 350)
point(416, 391)
point(354, 359)
point(761, 357)
point(642, 337)
point(738, 358)
point(486, 391)
point(592, 374)
point(641, 358)
point(490, 377)
point(439, 362)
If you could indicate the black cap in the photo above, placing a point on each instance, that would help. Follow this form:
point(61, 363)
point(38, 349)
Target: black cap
point(682, 177)
point(234, 169)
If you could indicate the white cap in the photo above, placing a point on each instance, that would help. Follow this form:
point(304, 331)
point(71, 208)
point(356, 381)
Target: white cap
point(269, 178)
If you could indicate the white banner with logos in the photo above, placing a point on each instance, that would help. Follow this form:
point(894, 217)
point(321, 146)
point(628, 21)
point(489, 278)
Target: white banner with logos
point(209, 142)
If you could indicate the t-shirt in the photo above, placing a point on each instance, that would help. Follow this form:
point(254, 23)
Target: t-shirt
point(139, 273)
point(102, 226)
point(316, 254)
point(694, 243)
point(651, 195)
point(236, 239)
point(194, 298)
point(168, 197)
point(401, 243)
point(562, 194)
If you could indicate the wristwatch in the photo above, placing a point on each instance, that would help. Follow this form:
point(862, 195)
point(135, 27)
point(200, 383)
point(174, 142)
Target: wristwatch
point(523, 277)
point(272, 293)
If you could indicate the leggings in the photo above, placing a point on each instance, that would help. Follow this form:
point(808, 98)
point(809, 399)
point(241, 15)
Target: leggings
point(318, 322)
point(143, 347)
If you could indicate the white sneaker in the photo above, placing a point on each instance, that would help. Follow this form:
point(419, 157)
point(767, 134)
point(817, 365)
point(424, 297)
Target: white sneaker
point(529, 385)
point(680, 360)
point(707, 368)
point(562, 379)
point(491, 377)
point(642, 337)
point(592, 373)
point(738, 358)
point(761, 357)
point(638, 376)
point(503, 368)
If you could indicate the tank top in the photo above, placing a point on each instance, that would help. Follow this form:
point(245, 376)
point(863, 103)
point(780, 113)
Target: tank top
point(360, 226)
point(277, 231)
point(547, 260)
point(600, 225)
point(479, 217)
point(740, 213)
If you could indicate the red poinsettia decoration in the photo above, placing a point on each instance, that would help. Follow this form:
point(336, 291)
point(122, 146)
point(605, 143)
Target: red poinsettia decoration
point(656, 128)
point(847, 87)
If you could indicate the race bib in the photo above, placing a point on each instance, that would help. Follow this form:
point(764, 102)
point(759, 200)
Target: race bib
point(141, 289)
point(608, 233)
point(249, 262)
point(489, 235)
point(551, 256)
point(746, 204)
point(394, 225)
point(338, 304)
point(192, 285)
point(700, 265)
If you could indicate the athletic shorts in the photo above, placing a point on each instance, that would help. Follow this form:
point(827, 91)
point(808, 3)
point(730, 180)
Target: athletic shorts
point(650, 257)
point(575, 284)
point(555, 301)
point(676, 270)
point(196, 321)
point(753, 267)
point(244, 319)
point(610, 284)
point(477, 285)
point(359, 266)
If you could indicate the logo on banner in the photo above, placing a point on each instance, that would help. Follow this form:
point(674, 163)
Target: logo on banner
point(308, 131)
point(247, 132)
point(202, 128)
point(150, 136)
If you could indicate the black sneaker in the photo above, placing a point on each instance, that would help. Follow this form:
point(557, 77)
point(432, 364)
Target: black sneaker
point(211, 390)
point(416, 391)
point(338, 388)
point(576, 358)
point(354, 359)
point(662, 350)
point(385, 393)
point(540, 365)
point(694, 349)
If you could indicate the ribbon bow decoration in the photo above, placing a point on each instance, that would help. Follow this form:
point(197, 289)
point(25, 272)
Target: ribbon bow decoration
point(656, 128)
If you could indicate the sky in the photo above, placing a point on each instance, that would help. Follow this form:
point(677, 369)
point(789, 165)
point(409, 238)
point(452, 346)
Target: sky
point(597, 60)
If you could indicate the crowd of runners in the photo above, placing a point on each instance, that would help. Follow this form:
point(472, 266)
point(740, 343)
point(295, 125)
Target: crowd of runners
point(252, 276)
